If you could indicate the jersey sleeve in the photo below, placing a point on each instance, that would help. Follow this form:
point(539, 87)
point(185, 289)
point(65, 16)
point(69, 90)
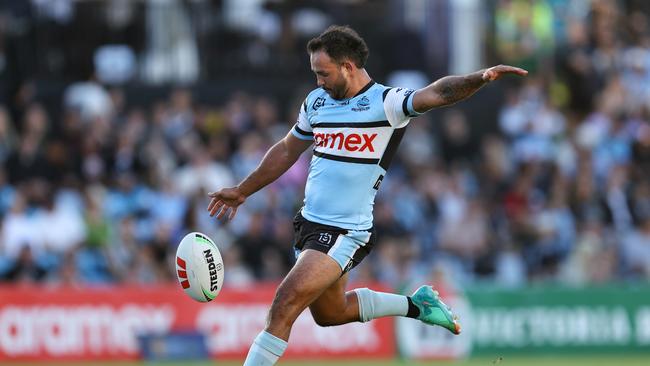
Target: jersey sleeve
point(398, 105)
point(302, 129)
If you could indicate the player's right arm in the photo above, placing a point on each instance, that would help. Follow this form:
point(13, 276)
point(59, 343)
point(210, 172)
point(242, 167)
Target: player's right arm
point(277, 160)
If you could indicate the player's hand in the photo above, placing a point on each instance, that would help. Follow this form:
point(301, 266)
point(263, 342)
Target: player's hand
point(496, 72)
point(224, 200)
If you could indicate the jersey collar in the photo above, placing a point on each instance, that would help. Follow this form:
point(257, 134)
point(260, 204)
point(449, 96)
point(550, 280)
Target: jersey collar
point(365, 88)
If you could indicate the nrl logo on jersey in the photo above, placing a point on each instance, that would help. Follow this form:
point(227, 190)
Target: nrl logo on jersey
point(319, 102)
point(363, 104)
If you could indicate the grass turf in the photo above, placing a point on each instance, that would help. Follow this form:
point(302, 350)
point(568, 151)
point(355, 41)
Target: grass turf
point(635, 360)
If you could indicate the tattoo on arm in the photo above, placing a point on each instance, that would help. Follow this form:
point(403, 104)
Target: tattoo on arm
point(452, 89)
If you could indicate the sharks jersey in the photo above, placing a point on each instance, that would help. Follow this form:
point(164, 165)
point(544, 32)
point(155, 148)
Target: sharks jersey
point(355, 140)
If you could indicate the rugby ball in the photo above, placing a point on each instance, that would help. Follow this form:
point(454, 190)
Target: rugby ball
point(199, 267)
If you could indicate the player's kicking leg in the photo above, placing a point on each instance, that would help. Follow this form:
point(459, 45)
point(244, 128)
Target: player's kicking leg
point(335, 306)
point(311, 275)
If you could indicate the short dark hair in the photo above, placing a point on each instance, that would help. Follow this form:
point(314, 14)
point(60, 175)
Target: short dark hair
point(341, 42)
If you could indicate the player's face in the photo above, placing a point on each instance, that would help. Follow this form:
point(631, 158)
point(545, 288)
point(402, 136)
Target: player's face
point(330, 75)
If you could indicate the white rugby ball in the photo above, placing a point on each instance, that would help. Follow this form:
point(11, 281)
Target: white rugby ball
point(199, 267)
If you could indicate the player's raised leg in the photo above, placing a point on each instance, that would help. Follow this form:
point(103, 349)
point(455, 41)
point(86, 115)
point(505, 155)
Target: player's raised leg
point(312, 274)
point(336, 306)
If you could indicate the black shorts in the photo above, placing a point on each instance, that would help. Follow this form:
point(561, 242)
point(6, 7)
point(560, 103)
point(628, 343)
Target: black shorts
point(346, 247)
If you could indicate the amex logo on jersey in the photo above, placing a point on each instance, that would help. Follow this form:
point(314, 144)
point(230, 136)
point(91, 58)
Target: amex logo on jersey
point(365, 143)
point(350, 142)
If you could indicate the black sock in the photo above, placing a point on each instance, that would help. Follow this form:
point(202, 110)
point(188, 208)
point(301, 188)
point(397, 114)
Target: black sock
point(413, 311)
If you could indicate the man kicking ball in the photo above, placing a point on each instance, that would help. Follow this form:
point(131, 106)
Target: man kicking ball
point(355, 126)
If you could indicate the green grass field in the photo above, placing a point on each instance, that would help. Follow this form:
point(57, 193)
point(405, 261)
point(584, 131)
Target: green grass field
point(636, 360)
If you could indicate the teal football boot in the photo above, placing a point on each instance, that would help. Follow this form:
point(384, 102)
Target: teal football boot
point(433, 311)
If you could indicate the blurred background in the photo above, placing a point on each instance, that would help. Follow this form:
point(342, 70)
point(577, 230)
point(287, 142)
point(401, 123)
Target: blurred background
point(117, 117)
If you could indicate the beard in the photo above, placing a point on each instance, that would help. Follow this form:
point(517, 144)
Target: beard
point(337, 94)
point(338, 90)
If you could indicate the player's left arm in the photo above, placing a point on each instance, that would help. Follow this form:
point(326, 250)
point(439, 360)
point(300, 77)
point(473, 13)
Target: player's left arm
point(452, 89)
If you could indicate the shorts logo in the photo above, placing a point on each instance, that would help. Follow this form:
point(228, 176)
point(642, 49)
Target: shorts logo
point(325, 238)
point(319, 102)
point(363, 104)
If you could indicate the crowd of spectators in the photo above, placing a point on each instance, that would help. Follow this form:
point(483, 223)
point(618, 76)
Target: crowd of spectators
point(100, 190)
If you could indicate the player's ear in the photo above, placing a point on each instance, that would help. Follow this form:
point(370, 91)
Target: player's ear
point(346, 68)
point(348, 65)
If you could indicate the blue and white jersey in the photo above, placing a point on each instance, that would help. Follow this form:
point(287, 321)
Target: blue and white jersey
point(355, 140)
